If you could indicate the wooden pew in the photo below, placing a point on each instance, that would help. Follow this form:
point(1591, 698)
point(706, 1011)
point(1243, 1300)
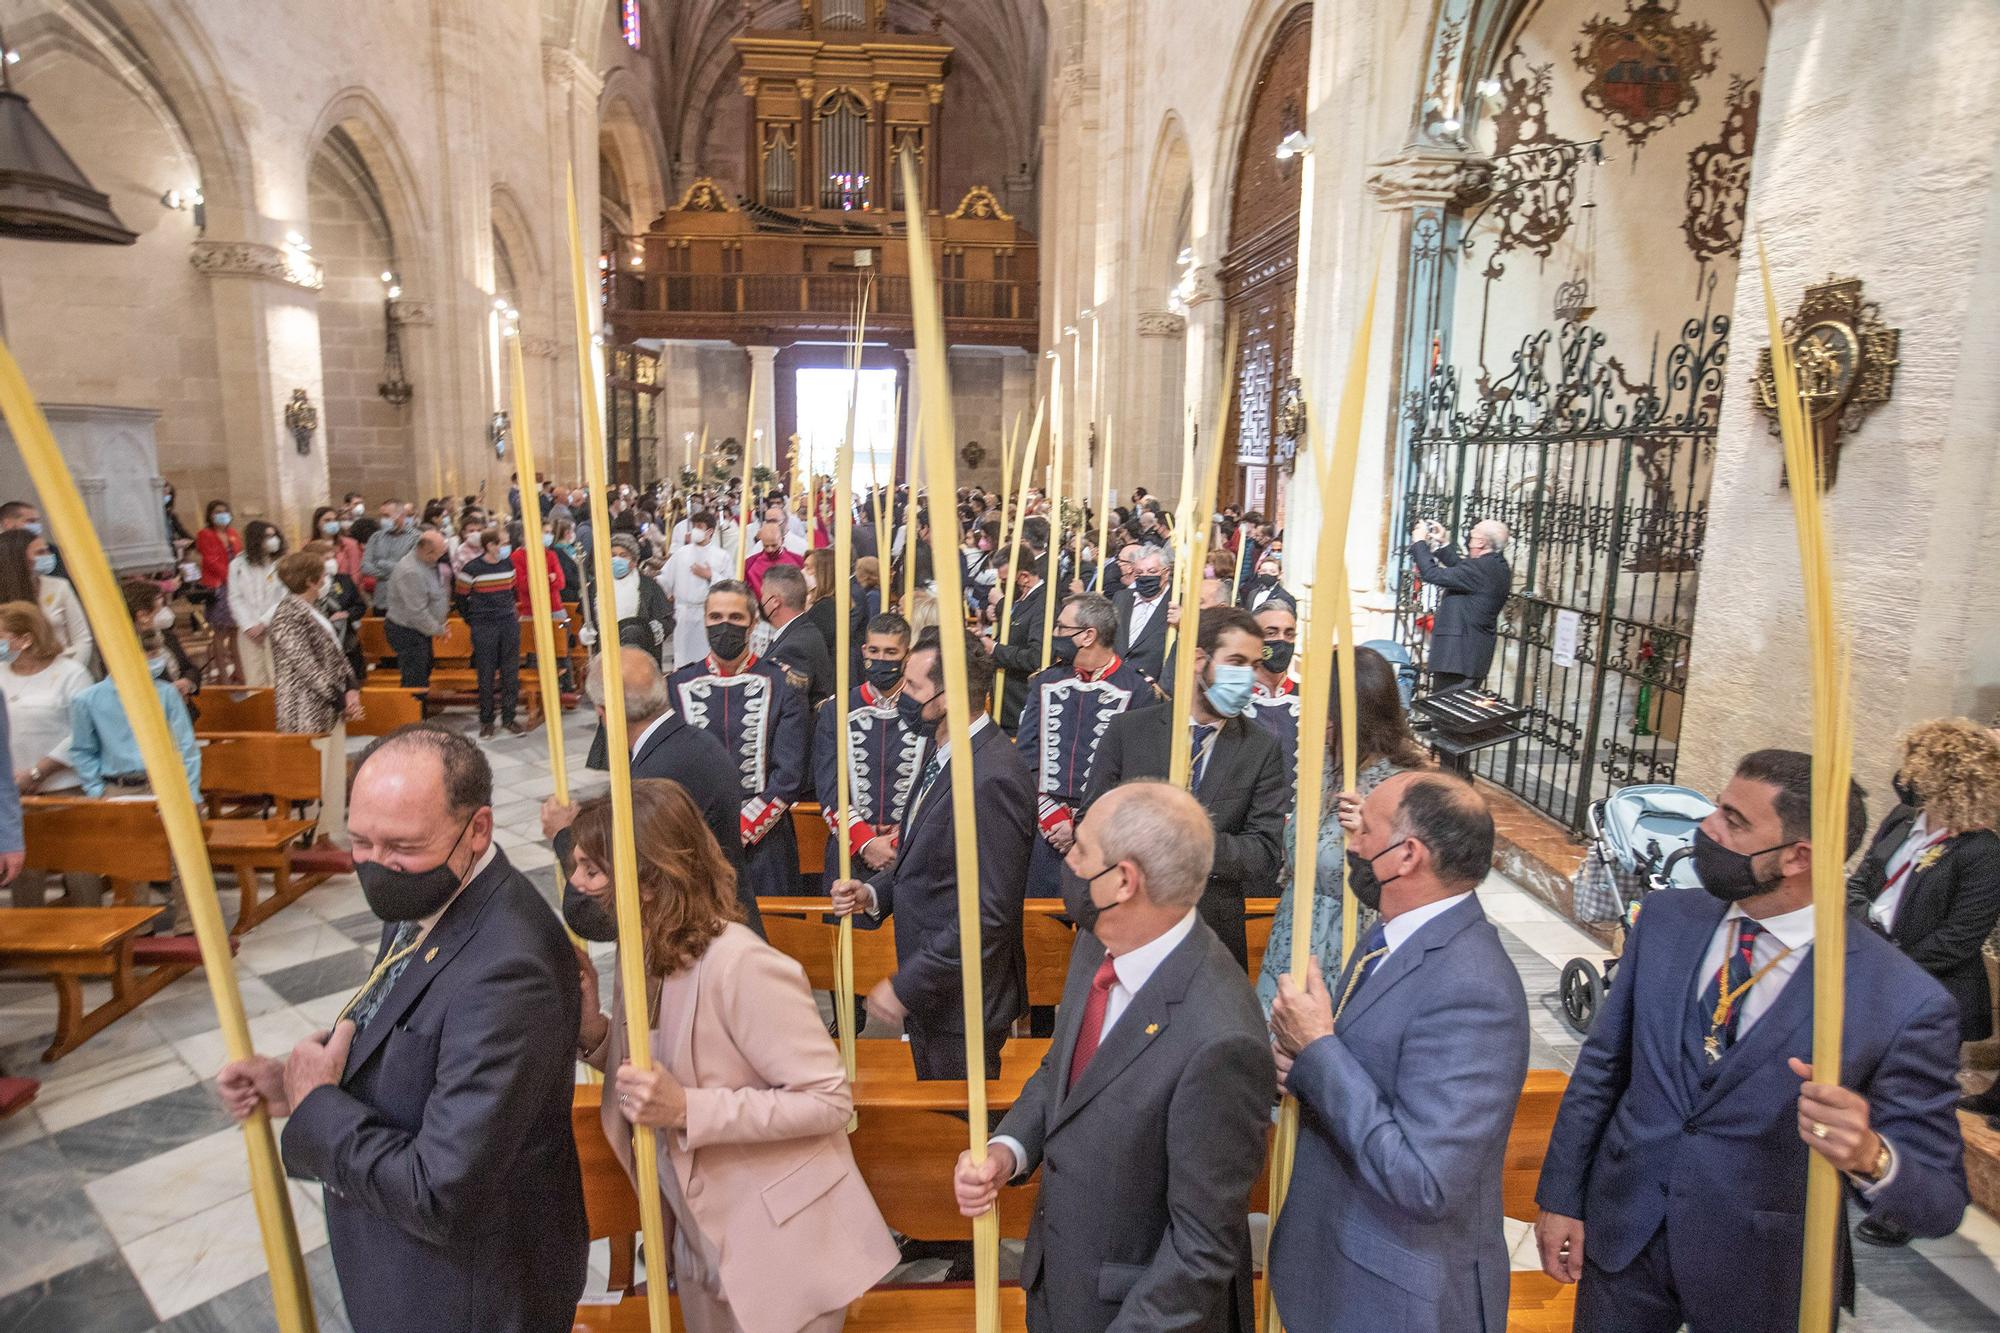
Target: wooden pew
point(223, 708)
point(906, 1144)
point(803, 929)
point(385, 708)
point(125, 842)
point(70, 944)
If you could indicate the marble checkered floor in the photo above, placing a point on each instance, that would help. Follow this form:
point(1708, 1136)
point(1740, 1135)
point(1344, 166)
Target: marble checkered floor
point(124, 1195)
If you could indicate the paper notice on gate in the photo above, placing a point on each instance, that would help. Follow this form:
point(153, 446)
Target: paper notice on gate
point(1567, 625)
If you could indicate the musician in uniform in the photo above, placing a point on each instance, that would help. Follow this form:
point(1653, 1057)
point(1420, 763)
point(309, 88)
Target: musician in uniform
point(1069, 708)
point(884, 754)
point(1274, 695)
point(747, 703)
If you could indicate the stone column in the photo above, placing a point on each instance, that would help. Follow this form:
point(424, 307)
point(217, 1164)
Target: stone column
point(266, 307)
point(1160, 384)
point(1916, 505)
point(764, 384)
point(913, 400)
point(1205, 377)
point(572, 88)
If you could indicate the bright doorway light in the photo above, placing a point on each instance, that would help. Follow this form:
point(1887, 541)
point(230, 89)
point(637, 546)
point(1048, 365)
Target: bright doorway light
point(822, 400)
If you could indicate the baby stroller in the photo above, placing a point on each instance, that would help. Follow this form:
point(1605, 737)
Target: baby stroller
point(1641, 839)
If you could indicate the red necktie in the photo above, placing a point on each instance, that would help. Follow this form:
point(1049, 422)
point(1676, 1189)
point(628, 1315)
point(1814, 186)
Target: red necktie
point(1093, 1019)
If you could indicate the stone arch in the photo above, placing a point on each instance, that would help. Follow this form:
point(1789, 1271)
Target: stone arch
point(1215, 190)
point(365, 219)
point(1169, 212)
point(632, 143)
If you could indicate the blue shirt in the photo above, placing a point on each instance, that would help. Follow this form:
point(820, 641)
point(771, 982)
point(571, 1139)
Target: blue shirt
point(11, 839)
point(102, 743)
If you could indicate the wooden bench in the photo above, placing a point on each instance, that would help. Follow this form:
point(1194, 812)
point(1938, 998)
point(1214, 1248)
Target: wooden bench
point(452, 677)
point(125, 842)
point(906, 1143)
point(804, 929)
point(69, 944)
point(385, 708)
point(224, 708)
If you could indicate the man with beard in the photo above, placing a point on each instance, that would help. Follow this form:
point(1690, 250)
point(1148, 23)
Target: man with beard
point(436, 1114)
point(1238, 771)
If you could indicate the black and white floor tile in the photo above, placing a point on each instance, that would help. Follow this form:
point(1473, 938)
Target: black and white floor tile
point(124, 1193)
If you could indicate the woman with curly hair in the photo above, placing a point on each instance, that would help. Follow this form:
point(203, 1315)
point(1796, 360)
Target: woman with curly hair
point(1930, 880)
point(773, 1226)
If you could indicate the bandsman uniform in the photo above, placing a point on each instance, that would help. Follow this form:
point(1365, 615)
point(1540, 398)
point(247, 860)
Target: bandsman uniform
point(1278, 713)
point(884, 758)
point(761, 720)
point(1066, 714)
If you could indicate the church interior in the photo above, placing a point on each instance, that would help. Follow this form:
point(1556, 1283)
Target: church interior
point(281, 256)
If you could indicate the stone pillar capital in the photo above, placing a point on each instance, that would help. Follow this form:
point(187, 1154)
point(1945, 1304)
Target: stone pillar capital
point(1421, 176)
point(253, 259)
point(562, 66)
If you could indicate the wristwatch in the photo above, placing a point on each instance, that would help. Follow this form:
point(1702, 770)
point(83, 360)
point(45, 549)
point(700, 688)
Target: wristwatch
point(1873, 1175)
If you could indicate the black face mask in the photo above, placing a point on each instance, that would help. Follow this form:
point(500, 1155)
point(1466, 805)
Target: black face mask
point(912, 714)
point(883, 673)
point(1729, 875)
point(409, 895)
point(1077, 902)
point(1907, 794)
point(587, 918)
point(727, 641)
point(1361, 880)
point(1278, 656)
point(1147, 586)
point(1062, 647)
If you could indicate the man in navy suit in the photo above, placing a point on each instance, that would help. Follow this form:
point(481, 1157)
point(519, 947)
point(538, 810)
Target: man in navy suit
point(919, 889)
point(437, 1113)
point(1465, 632)
point(1675, 1182)
point(1407, 1074)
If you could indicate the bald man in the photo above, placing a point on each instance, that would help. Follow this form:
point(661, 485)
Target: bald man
point(1147, 1118)
point(1407, 1068)
point(1466, 629)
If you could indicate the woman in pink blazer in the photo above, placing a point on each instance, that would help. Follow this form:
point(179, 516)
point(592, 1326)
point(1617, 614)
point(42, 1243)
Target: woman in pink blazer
point(774, 1229)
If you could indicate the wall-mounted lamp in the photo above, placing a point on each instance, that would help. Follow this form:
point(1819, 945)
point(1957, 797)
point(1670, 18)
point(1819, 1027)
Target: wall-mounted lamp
point(499, 303)
point(1488, 87)
point(1292, 145)
point(1069, 330)
point(297, 242)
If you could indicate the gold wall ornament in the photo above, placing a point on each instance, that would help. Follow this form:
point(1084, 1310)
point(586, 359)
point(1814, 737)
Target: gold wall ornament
point(1846, 358)
point(972, 454)
point(980, 202)
point(301, 419)
point(1291, 422)
point(704, 196)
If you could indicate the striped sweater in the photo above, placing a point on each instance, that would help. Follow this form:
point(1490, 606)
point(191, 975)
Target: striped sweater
point(486, 589)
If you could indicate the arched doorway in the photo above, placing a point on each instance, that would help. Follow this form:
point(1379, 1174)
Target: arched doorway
point(1260, 270)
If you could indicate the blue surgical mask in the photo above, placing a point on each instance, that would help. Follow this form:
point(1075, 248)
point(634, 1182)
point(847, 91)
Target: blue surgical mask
point(328, 526)
point(45, 563)
point(34, 527)
point(548, 539)
point(221, 519)
point(620, 566)
point(1229, 693)
point(505, 551)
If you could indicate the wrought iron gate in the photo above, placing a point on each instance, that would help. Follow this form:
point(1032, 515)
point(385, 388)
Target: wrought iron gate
point(1604, 486)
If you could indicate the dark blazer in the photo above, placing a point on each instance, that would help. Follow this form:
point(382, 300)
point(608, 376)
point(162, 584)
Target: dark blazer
point(1465, 630)
point(1946, 912)
point(1244, 791)
point(701, 764)
point(453, 1195)
point(1142, 1221)
point(808, 662)
point(1021, 655)
point(1650, 1135)
point(1149, 652)
point(1394, 1218)
point(920, 892)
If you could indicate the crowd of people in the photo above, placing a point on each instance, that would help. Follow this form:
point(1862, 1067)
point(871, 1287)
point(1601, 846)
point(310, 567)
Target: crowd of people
point(436, 1112)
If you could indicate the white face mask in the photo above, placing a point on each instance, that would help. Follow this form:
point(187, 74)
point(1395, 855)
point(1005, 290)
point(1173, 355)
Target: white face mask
point(332, 568)
point(274, 544)
point(157, 664)
point(163, 619)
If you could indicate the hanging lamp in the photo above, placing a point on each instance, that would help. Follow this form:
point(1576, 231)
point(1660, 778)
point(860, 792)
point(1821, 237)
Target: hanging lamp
point(44, 196)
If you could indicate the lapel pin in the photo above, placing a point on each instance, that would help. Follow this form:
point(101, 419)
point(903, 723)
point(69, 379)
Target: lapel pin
point(1930, 857)
point(1151, 1028)
point(430, 953)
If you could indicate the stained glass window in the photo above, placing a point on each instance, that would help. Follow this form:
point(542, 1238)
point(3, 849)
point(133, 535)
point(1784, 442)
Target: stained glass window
point(628, 22)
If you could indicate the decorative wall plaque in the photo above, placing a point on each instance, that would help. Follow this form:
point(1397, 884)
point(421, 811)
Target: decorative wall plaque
point(1846, 359)
point(301, 419)
point(1643, 67)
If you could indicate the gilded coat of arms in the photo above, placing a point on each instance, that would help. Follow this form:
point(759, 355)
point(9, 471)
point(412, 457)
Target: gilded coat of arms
point(1643, 67)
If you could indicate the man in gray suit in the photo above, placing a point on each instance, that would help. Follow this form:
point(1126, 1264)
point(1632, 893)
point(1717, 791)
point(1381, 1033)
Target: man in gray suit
point(1407, 1075)
point(1149, 1115)
point(1465, 630)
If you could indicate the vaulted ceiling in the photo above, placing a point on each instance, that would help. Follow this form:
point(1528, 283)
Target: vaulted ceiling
point(1000, 44)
